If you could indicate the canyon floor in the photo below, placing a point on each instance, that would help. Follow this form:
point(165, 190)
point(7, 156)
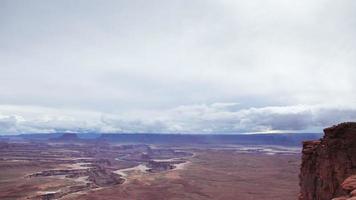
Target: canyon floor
point(99, 170)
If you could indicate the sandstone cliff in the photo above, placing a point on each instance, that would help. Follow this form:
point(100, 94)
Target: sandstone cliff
point(328, 165)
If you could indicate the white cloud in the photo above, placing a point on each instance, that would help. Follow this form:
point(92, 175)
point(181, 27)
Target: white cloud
point(122, 61)
point(213, 118)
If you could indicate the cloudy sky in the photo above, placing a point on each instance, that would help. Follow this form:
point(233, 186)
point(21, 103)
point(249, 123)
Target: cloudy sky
point(176, 66)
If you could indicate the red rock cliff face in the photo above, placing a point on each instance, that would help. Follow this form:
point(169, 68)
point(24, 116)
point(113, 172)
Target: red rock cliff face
point(326, 164)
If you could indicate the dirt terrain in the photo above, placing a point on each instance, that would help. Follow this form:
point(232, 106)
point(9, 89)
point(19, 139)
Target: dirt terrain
point(214, 174)
point(99, 170)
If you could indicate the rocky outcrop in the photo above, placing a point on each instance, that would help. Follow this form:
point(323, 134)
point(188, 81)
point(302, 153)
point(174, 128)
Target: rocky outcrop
point(329, 165)
point(101, 177)
point(159, 166)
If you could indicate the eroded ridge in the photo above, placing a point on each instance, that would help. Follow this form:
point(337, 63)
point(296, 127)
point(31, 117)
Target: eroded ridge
point(57, 169)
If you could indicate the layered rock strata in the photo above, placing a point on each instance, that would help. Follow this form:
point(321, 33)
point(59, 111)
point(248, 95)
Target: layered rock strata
point(329, 165)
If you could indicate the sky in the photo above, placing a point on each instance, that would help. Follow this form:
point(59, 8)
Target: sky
point(176, 66)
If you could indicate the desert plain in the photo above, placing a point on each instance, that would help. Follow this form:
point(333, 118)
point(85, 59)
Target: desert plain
point(72, 168)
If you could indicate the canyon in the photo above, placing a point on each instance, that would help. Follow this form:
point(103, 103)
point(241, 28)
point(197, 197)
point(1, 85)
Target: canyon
point(71, 166)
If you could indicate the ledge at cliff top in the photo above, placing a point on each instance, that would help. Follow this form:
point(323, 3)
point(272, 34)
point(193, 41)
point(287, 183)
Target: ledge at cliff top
point(328, 168)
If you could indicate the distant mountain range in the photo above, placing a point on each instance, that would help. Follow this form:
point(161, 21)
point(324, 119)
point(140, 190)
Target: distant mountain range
point(285, 139)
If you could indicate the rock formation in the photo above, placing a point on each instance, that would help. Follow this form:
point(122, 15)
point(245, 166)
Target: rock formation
point(328, 168)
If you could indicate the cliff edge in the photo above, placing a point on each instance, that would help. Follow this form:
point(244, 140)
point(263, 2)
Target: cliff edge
point(328, 169)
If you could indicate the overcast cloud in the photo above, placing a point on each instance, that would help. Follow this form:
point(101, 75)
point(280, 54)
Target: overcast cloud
point(176, 66)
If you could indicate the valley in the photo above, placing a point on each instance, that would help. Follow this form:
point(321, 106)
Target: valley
point(72, 168)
